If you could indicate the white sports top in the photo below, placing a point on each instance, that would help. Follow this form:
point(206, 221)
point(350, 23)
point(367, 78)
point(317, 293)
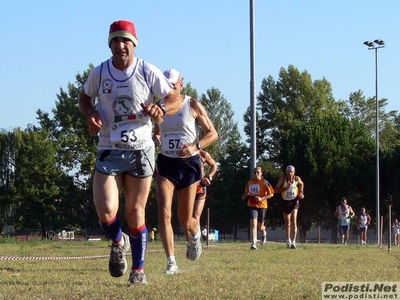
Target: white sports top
point(119, 94)
point(344, 215)
point(178, 130)
point(363, 220)
point(292, 192)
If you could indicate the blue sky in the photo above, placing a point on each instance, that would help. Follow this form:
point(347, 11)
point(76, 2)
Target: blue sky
point(46, 43)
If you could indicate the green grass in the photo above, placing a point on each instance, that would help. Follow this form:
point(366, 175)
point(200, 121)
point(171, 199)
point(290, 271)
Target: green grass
point(224, 271)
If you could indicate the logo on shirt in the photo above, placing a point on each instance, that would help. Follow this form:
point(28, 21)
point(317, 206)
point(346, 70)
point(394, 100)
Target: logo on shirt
point(123, 106)
point(106, 86)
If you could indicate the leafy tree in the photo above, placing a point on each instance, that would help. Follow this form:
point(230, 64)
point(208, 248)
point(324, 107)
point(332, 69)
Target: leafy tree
point(77, 150)
point(295, 101)
point(7, 167)
point(334, 156)
point(389, 178)
point(224, 195)
point(231, 154)
point(221, 114)
point(189, 90)
point(37, 173)
point(68, 127)
point(281, 105)
point(365, 110)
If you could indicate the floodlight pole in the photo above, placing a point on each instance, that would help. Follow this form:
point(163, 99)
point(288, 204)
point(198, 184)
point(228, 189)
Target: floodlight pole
point(375, 46)
point(253, 128)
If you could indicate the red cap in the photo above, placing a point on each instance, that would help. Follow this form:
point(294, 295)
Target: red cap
point(123, 28)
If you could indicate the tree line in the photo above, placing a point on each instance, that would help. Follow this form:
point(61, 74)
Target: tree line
point(47, 170)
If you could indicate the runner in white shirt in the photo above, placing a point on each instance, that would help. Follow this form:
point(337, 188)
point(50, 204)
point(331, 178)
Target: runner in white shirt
point(179, 168)
point(117, 100)
point(291, 188)
point(364, 220)
point(344, 213)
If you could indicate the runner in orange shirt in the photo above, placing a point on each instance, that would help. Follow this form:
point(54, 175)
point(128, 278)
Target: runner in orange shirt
point(257, 191)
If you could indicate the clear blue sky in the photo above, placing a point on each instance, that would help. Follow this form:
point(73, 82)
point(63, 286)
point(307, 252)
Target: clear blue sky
point(46, 43)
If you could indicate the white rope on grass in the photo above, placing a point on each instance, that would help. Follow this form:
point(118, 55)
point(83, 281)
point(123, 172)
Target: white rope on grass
point(51, 258)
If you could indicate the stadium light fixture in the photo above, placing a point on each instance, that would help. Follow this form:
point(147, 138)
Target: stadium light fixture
point(378, 43)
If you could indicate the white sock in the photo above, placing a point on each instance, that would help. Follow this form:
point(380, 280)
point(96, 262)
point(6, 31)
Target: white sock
point(289, 241)
point(171, 258)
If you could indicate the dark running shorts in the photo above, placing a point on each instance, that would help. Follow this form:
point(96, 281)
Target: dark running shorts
point(182, 172)
point(137, 163)
point(257, 213)
point(362, 229)
point(289, 205)
point(344, 229)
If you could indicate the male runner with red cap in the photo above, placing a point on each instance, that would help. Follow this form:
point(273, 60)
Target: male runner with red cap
point(117, 100)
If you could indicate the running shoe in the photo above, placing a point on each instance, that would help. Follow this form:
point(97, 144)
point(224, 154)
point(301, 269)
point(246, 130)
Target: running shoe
point(172, 268)
point(117, 264)
point(263, 239)
point(194, 250)
point(253, 247)
point(293, 245)
point(288, 244)
point(137, 278)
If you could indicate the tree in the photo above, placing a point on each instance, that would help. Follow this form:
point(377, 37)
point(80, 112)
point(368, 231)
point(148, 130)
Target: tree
point(335, 156)
point(37, 173)
point(389, 178)
point(365, 110)
point(190, 91)
point(221, 114)
point(7, 158)
point(281, 105)
point(232, 155)
point(77, 150)
point(224, 195)
point(68, 127)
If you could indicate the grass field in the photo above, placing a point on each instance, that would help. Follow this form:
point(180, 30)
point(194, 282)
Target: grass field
point(224, 271)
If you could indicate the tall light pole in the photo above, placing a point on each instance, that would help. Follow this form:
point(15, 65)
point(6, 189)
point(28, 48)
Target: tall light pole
point(375, 46)
point(253, 128)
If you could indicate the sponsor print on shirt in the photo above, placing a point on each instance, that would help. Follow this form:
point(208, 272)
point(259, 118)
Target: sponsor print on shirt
point(127, 135)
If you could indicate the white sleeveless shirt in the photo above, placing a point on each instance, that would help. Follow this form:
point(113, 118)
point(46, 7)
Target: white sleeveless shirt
point(120, 94)
point(363, 221)
point(178, 130)
point(344, 215)
point(292, 192)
